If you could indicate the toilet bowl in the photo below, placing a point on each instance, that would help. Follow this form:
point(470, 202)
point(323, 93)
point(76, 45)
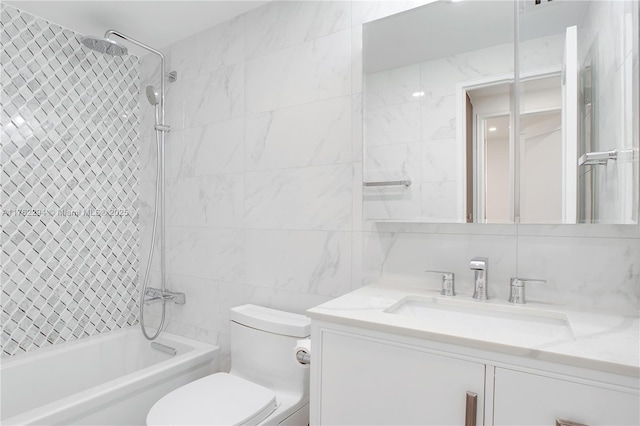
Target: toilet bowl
point(265, 386)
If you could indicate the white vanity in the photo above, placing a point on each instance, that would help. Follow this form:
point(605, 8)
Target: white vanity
point(389, 355)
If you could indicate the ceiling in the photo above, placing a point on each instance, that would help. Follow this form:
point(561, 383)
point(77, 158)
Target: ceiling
point(157, 23)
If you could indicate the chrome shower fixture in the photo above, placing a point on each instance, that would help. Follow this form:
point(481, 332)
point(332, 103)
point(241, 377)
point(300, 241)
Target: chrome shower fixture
point(602, 158)
point(152, 95)
point(156, 98)
point(104, 45)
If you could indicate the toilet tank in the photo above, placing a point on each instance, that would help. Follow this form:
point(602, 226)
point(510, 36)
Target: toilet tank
point(262, 348)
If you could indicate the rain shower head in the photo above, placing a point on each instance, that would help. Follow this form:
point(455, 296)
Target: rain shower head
point(104, 45)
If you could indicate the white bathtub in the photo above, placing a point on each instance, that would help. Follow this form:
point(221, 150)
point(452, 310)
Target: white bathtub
point(112, 379)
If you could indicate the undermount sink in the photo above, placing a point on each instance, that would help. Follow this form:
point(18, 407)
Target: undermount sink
point(493, 322)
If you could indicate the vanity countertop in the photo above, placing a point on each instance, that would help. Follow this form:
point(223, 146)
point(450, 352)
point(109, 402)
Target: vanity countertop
point(607, 341)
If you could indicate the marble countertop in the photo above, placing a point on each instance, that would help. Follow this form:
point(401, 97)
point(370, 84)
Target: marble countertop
point(607, 341)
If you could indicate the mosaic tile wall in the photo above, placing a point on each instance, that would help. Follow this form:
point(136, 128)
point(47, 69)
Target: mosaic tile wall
point(69, 183)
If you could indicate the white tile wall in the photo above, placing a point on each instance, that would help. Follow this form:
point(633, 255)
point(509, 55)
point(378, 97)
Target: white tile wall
point(316, 133)
point(315, 262)
point(285, 140)
point(316, 197)
point(305, 72)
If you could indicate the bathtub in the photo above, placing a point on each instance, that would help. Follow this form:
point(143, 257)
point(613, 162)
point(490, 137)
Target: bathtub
point(111, 379)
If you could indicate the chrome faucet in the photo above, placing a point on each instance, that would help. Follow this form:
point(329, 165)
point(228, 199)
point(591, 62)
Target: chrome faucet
point(481, 267)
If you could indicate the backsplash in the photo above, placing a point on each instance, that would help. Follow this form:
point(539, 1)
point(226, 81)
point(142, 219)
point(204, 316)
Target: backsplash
point(69, 186)
point(583, 265)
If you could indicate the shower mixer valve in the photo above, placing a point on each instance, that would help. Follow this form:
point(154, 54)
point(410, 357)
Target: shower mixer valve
point(156, 295)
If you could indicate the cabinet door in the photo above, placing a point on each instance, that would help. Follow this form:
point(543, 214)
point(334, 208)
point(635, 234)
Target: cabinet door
point(372, 382)
point(529, 399)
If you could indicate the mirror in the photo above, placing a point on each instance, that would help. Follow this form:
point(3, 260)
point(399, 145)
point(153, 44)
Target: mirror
point(538, 167)
point(453, 134)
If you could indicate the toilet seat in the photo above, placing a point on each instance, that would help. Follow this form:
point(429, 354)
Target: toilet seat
point(218, 399)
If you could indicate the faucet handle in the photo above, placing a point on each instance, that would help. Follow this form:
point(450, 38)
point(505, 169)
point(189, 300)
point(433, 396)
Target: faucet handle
point(516, 289)
point(448, 283)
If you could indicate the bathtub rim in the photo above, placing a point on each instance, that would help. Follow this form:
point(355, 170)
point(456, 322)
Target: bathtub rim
point(35, 354)
point(106, 393)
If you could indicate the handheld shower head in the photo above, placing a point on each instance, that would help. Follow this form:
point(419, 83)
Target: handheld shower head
point(104, 45)
point(152, 95)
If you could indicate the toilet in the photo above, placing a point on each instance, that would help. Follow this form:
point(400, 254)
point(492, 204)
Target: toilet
point(266, 385)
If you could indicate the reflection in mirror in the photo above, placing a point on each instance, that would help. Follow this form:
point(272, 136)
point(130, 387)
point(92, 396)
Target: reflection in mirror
point(437, 78)
point(495, 131)
point(539, 167)
point(413, 63)
point(596, 46)
point(488, 128)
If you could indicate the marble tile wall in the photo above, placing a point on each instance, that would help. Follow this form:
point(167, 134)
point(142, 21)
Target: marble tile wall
point(265, 183)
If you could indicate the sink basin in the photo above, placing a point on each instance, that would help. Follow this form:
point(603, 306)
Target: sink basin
point(481, 320)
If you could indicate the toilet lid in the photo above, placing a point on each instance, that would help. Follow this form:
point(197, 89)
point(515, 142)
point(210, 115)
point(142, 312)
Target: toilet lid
point(218, 399)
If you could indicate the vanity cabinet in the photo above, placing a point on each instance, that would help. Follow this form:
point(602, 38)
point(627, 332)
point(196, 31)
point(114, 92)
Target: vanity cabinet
point(376, 382)
point(522, 398)
point(365, 377)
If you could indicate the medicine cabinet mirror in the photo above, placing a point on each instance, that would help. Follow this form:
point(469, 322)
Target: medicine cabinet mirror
point(462, 124)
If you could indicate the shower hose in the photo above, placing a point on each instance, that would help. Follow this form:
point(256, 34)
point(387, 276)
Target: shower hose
point(156, 213)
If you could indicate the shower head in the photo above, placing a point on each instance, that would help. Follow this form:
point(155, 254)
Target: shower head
point(153, 96)
point(104, 45)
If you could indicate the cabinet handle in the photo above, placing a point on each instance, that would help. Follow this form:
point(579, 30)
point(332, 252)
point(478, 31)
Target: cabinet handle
point(560, 422)
point(472, 408)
